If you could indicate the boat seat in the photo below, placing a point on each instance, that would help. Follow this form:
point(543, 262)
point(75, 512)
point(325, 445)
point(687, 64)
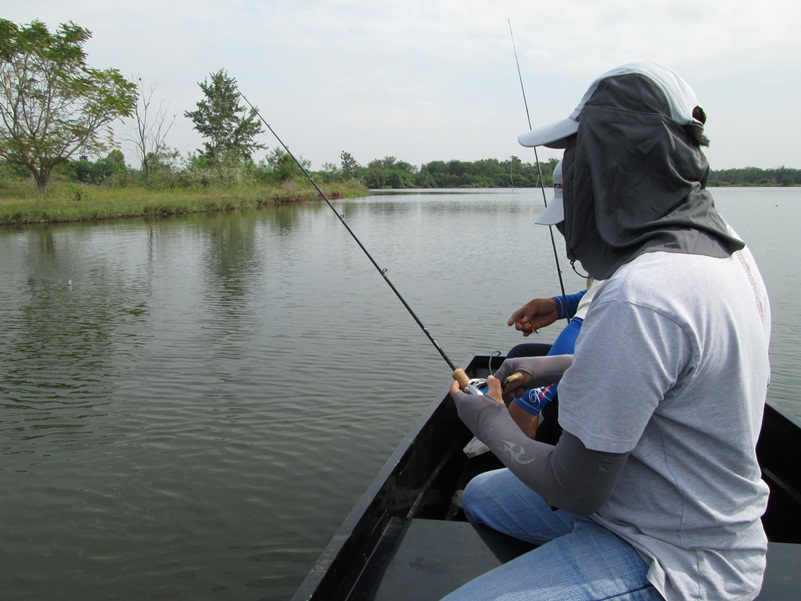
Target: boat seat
point(782, 578)
point(434, 557)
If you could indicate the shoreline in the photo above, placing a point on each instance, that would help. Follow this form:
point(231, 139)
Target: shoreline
point(87, 204)
point(67, 203)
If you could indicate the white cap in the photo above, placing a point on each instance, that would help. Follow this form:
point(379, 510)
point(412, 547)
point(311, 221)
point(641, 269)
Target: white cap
point(555, 212)
point(679, 95)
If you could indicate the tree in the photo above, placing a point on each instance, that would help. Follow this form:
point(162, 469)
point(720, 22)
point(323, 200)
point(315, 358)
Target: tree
point(350, 167)
point(151, 132)
point(283, 168)
point(228, 126)
point(110, 169)
point(52, 105)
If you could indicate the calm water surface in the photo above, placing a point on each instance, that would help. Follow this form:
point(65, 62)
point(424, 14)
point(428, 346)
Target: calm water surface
point(190, 407)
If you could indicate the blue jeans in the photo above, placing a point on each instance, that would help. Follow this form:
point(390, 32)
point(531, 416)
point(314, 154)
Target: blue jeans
point(578, 560)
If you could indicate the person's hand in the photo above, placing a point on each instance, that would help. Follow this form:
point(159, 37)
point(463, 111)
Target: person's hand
point(521, 371)
point(493, 392)
point(535, 314)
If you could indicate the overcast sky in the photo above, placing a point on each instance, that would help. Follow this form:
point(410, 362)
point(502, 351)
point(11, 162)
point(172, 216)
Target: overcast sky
point(425, 80)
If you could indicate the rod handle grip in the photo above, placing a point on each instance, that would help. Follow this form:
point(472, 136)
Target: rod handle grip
point(461, 376)
point(515, 378)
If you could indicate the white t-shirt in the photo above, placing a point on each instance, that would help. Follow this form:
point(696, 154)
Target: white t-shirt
point(584, 304)
point(672, 365)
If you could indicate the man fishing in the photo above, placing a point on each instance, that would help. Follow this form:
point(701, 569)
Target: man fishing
point(653, 490)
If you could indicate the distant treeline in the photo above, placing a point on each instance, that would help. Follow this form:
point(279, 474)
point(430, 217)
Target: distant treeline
point(387, 173)
point(492, 173)
point(175, 172)
point(753, 176)
point(487, 173)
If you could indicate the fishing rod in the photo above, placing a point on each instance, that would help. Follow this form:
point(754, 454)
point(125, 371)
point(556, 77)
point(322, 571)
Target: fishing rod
point(458, 374)
point(539, 171)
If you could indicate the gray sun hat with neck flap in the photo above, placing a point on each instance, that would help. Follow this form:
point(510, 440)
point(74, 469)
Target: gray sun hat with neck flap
point(555, 212)
point(622, 201)
point(679, 95)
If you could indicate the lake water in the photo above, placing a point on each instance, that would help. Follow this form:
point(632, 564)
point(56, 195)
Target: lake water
point(190, 407)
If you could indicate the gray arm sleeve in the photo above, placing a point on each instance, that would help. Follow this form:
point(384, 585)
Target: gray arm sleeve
point(568, 475)
point(543, 370)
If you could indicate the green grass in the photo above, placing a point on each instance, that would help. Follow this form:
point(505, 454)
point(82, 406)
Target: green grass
point(22, 203)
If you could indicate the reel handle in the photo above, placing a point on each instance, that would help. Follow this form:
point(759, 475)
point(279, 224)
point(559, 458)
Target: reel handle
point(461, 376)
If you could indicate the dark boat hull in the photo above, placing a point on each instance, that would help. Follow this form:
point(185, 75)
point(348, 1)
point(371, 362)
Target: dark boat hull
point(407, 539)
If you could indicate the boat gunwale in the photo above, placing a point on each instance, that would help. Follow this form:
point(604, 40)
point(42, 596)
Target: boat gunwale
point(366, 516)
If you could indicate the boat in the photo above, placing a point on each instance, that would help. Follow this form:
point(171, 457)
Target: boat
point(407, 537)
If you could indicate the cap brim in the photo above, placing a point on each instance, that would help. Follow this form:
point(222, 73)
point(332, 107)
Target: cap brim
point(553, 135)
point(553, 214)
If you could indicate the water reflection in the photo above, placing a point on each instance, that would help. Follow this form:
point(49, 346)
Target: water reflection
point(230, 258)
point(67, 303)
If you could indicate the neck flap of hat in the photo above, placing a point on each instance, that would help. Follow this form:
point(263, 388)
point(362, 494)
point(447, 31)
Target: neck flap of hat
point(634, 182)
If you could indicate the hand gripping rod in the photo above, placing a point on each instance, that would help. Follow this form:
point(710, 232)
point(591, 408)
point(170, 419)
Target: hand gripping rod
point(458, 374)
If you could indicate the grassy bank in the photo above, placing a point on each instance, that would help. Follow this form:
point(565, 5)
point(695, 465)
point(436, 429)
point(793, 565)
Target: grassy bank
point(21, 203)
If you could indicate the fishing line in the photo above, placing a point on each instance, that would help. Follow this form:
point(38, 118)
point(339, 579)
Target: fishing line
point(539, 170)
point(458, 373)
